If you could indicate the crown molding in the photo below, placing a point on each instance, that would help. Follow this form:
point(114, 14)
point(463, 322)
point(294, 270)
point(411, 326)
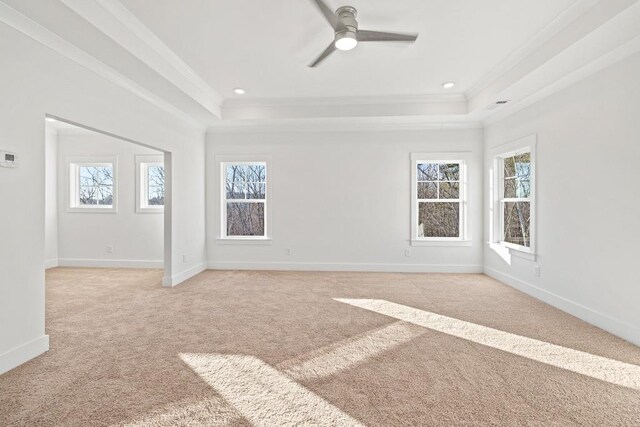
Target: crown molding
point(376, 124)
point(345, 107)
point(630, 48)
point(546, 34)
point(74, 132)
point(42, 35)
point(608, 44)
point(345, 101)
point(113, 19)
point(555, 51)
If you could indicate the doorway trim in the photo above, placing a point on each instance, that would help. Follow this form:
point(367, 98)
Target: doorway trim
point(168, 280)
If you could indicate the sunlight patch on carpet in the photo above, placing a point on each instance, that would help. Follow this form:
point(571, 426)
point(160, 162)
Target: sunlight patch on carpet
point(262, 394)
point(598, 367)
point(213, 412)
point(320, 363)
point(345, 354)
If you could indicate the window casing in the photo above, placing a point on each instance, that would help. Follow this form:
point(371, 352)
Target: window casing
point(244, 200)
point(150, 184)
point(512, 216)
point(515, 200)
point(92, 184)
point(439, 199)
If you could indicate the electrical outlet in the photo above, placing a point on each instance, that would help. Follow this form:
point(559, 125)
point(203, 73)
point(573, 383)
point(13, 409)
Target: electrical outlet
point(110, 249)
point(537, 270)
point(184, 259)
point(288, 251)
point(407, 252)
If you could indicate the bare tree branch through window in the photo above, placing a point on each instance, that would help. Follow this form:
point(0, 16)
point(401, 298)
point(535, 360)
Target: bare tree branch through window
point(155, 185)
point(439, 199)
point(245, 195)
point(95, 185)
point(516, 202)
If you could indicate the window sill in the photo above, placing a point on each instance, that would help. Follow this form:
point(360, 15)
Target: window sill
point(441, 243)
point(513, 251)
point(93, 210)
point(243, 241)
point(150, 210)
point(519, 253)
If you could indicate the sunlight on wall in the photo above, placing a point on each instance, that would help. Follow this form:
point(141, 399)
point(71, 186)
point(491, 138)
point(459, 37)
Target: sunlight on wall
point(502, 251)
point(345, 354)
point(601, 368)
point(262, 394)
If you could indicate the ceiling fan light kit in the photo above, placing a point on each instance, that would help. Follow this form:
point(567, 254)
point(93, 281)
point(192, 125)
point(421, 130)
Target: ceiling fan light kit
point(347, 39)
point(346, 33)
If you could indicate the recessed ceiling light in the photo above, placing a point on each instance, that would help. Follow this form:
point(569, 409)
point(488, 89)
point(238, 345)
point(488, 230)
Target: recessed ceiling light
point(239, 91)
point(448, 85)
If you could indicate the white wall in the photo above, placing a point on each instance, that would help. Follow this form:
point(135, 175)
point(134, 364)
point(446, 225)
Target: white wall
point(341, 201)
point(36, 81)
point(136, 238)
point(51, 199)
point(588, 203)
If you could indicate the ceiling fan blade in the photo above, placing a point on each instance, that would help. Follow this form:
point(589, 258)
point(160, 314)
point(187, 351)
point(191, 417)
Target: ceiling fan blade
point(378, 36)
point(323, 55)
point(333, 19)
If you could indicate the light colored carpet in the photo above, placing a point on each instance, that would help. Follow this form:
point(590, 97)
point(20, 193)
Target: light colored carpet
point(291, 348)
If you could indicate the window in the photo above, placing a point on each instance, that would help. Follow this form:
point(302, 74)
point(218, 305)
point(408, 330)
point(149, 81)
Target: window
point(513, 195)
point(150, 184)
point(515, 201)
point(438, 198)
point(92, 185)
point(244, 200)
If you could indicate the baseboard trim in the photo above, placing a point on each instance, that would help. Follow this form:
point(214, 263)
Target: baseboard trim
point(356, 267)
point(169, 282)
point(51, 263)
point(109, 263)
point(23, 353)
point(610, 324)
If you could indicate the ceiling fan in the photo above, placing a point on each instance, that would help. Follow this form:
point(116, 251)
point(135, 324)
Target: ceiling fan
point(347, 35)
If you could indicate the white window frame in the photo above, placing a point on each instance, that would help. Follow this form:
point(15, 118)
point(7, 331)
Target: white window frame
point(463, 158)
point(73, 165)
point(496, 192)
point(142, 183)
point(222, 162)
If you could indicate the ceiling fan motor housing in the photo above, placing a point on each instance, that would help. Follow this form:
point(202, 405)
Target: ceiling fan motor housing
point(347, 15)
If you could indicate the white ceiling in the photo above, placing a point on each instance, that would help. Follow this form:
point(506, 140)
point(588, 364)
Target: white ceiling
point(63, 22)
point(265, 46)
point(186, 56)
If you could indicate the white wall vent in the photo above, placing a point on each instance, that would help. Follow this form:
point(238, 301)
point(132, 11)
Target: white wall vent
point(497, 104)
